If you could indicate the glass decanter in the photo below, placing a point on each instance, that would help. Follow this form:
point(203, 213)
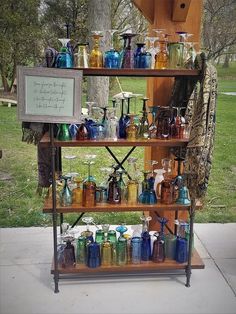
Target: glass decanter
point(64, 58)
point(65, 194)
point(112, 56)
point(96, 55)
point(144, 124)
point(132, 185)
point(89, 188)
point(128, 54)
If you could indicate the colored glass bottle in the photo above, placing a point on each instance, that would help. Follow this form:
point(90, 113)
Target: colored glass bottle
point(144, 125)
point(96, 56)
point(64, 58)
point(161, 58)
point(65, 194)
point(132, 185)
point(77, 193)
point(114, 191)
point(69, 255)
point(64, 133)
point(89, 189)
point(122, 121)
point(81, 250)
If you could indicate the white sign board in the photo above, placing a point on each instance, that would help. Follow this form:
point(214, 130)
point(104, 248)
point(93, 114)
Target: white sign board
point(49, 95)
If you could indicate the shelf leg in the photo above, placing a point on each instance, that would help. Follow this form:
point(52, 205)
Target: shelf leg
point(54, 212)
point(188, 267)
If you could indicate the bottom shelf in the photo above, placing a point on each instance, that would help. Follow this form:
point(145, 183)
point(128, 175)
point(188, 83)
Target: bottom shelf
point(149, 266)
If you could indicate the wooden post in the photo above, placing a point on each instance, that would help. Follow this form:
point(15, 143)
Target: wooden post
point(159, 89)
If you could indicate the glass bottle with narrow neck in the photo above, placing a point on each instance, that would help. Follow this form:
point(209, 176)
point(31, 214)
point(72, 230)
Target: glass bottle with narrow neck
point(161, 58)
point(132, 186)
point(96, 56)
point(144, 125)
point(89, 190)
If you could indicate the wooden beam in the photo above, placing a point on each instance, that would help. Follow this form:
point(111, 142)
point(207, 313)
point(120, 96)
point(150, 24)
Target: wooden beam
point(147, 8)
point(180, 10)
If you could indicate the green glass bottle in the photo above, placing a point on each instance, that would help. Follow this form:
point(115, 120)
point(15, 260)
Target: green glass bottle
point(81, 250)
point(64, 133)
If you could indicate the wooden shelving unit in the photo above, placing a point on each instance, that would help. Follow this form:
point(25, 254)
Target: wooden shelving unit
point(194, 261)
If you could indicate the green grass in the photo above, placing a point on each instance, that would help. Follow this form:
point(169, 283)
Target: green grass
point(21, 206)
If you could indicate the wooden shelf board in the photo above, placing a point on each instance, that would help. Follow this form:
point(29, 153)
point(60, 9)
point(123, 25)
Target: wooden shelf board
point(110, 142)
point(197, 263)
point(124, 207)
point(138, 72)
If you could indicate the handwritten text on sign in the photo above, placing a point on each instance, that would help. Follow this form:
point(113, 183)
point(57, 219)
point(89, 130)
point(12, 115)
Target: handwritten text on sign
point(49, 96)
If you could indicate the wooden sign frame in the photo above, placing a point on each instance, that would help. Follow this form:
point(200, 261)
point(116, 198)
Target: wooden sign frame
point(49, 95)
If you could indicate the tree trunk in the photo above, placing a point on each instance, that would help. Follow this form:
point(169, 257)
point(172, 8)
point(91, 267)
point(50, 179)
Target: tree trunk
point(5, 84)
point(226, 62)
point(99, 19)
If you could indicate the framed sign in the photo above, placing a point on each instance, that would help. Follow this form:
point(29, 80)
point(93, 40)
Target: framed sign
point(49, 95)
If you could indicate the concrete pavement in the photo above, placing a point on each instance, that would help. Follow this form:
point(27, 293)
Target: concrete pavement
point(26, 285)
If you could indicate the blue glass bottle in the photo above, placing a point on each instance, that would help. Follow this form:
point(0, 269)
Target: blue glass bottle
point(142, 58)
point(93, 255)
point(122, 124)
point(64, 58)
point(112, 59)
point(181, 255)
point(146, 246)
point(136, 250)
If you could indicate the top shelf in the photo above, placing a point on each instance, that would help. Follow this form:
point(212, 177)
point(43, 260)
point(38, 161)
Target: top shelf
point(138, 72)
